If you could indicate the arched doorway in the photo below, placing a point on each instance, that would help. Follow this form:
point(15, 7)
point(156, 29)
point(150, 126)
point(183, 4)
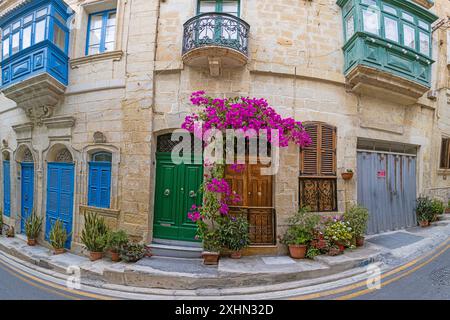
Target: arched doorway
point(25, 157)
point(60, 190)
point(176, 190)
point(6, 184)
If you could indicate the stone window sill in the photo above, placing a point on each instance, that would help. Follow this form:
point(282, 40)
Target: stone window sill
point(443, 172)
point(112, 55)
point(112, 213)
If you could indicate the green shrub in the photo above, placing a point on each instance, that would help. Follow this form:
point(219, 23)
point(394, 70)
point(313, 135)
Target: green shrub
point(338, 231)
point(233, 233)
point(116, 239)
point(424, 209)
point(58, 235)
point(357, 217)
point(33, 226)
point(301, 228)
point(438, 206)
point(132, 252)
point(95, 233)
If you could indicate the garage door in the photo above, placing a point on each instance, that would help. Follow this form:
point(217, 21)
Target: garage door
point(387, 187)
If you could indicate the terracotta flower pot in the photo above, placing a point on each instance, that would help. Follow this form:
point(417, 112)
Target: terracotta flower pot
point(347, 175)
point(115, 256)
point(359, 241)
point(31, 242)
point(334, 252)
point(59, 250)
point(424, 223)
point(210, 258)
point(236, 254)
point(340, 246)
point(94, 256)
point(297, 251)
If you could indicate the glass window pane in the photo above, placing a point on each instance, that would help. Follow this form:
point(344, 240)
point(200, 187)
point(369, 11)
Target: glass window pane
point(409, 36)
point(407, 17)
point(111, 19)
point(424, 43)
point(16, 25)
point(26, 37)
point(370, 2)
point(207, 6)
point(41, 13)
point(391, 29)
point(350, 26)
point(15, 42)
point(6, 31)
point(94, 49)
point(96, 22)
point(95, 36)
point(371, 23)
point(231, 7)
point(5, 48)
point(424, 25)
point(60, 18)
point(39, 33)
point(110, 34)
point(109, 46)
point(28, 19)
point(389, 9)
point(102, 157)
point(59, 37)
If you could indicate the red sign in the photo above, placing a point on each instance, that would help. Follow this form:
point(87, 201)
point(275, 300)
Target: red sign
point(381, 174)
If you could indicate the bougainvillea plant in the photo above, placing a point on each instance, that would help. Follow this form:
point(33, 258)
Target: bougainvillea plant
point(247, 115)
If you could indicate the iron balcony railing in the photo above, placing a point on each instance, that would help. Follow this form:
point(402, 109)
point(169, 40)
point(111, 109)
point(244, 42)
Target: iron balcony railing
point(216, 29)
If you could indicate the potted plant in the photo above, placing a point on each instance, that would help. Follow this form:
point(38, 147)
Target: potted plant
point(438, 209)
point(132, 252)
point(357, 217)
point(233, 234)
point(424, 211)
point(10, 233)
point(211, 248)
point(347, 174)
point(58, 237)
point(338, 233)
point(116, 240)
point(94, 235)
point(33, 226)
point(447, 208)
point(302, 227)
point(334, 250)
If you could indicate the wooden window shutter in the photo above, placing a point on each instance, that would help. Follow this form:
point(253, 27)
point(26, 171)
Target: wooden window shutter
point(319, 158)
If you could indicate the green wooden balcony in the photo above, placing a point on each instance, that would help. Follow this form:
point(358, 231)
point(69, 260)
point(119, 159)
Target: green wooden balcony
point(388, 48)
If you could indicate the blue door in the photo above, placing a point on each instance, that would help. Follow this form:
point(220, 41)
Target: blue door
point(60, 197)
point(60, 178)
point(27, 193)
point(6, 188)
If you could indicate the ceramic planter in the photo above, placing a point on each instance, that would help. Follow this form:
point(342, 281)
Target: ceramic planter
point(340, 246)
point(94, 256)
point(31, 242)
point(115, 256)
point(210, 258)
point(359, 241)
point(347, 175)
point(59, 250)
point(424, 223)
point(297, 251)
point(236, 254)
point(334, 252)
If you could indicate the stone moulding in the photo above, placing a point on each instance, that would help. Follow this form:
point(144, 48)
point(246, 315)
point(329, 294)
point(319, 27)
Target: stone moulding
point(37, 96)
point(368, 80)
point(112, 55)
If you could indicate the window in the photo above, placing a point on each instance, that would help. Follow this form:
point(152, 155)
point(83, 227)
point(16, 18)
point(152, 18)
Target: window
point(39, 32)
point(391, 29)
point(370, 18)
point(99, 193)
point(59, 37)
point(224, 6)
point(424, 43)
point(15, 42)
point(101, 32)
point(350, 26)
point(5, 46)
point(445, 154)
point(318, 169)
point(26, 37)
point(409, 36)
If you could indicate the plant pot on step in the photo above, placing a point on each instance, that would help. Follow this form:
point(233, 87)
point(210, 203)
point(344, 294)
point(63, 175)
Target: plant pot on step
point(360, 241)
point(210, 258)
point(236, 254)
point(57, 251)
point(297, 251)
point(31, 242)
point(94, 256)
point(424, 223)
point(115, 257)
point(340, 246)
point(334, 251)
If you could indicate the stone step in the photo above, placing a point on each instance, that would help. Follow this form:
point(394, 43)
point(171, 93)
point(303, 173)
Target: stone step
point(175, 251)
point(444, 217)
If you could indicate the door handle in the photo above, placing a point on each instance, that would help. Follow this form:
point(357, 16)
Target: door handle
point(166, 192)
point(192, 194)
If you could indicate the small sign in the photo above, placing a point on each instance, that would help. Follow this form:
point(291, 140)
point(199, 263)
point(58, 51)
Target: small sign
point(381, 174)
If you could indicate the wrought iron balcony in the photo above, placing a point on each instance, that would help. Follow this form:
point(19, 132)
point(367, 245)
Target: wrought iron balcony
point(216, 40)
point(34, 66)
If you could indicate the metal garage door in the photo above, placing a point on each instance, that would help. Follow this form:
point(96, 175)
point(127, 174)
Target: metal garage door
point(387, 187)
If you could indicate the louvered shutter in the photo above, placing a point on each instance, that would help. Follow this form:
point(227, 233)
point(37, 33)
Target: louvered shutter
point(327, 150)
point(309, 156)
point(99, 194)
point(6, 188)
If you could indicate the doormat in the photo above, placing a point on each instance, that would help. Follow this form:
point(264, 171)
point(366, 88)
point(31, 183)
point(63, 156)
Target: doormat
point(395, 240)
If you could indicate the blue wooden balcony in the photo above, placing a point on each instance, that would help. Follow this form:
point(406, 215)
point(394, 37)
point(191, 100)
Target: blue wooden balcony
point(35, 42)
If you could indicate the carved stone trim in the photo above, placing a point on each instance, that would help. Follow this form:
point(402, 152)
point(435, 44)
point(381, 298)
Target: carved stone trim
point(64, 156)
point(99, 137)
point(112, 55)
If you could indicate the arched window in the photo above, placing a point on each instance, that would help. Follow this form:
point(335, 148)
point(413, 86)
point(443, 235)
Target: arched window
point(318, 169)
point(99, 187)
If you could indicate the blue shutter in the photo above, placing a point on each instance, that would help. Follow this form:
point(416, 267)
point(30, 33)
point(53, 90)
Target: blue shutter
point(99, 193)
point(6, 188)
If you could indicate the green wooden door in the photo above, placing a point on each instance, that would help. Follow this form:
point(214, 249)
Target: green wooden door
point(176, 191)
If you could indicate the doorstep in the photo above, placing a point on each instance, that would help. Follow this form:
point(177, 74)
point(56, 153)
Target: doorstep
point(191, 274)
